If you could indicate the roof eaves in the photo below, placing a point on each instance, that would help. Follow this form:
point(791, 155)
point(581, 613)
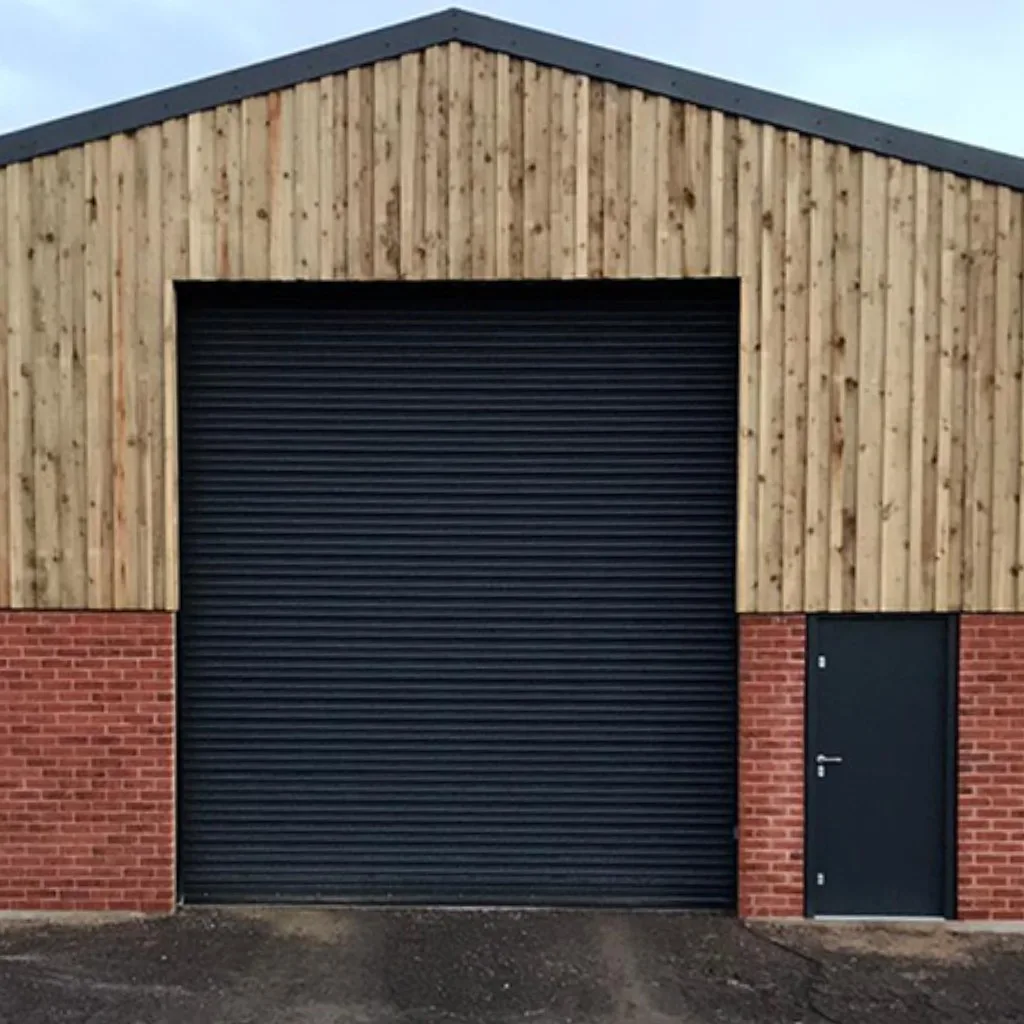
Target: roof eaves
point(528, 44)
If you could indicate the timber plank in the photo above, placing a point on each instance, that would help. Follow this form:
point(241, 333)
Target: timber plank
point(829, 398)
point(677, 189)
point(613, 196)
point(696, 192)
point(281, 147)
point(418, 269)
point(255, 188)
point(795, 358)
point(748, 256)
point(553, 182)
point(21, 379)
point(444, 163)
point(626, 184)
point(228, 190)
point(46, 442)
point(944, 447)
point(537, 194)
point(307, 150)
point(147, 341)
point(517, 170)
point(563, 183)
point(503, 166)
point(359, 87)
point(716, 199)
point(871, 382)
point(958, 545)
point(771, 429)
point(412, 174)
point(98, 372)
point(174, 207)
point(202, 195)
point(483, 200)
point(386, 172)
point(174, 227)
point(936, 405)
point(730, 198)
point(980, 404)
point(917, 196)
point(928, 260)
point(662, 167)
point(642, 212)
point(819, 383)
point(125, 463)
point(434, 111)
point(845, 371)
point(336, 184)
point(897, 375)
point(234, 164)
point(332, 223)
point(581, 184)
point(72, 482)
point(596, 201)
point(460, 163)
point(1006, 404)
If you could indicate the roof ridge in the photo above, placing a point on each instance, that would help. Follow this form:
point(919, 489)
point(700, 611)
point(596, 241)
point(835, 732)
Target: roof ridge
point(457, 25)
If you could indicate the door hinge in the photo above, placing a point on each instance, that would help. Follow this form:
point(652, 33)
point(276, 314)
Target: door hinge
point(821, 878)
point(735, 833)
point(821, 661)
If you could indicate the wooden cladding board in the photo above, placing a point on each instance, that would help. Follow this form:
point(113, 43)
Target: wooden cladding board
point(881, 444)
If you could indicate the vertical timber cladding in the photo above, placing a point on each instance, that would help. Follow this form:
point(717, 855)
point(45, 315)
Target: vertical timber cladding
point(457, 596)
point(866, 483)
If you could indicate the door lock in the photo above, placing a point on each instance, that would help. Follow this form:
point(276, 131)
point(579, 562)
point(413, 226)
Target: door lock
point(824, 759)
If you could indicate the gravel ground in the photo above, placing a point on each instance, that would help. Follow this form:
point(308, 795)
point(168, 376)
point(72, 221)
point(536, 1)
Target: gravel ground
point(406, 967)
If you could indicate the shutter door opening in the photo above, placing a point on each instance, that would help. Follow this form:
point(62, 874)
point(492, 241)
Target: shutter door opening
point(457, 614)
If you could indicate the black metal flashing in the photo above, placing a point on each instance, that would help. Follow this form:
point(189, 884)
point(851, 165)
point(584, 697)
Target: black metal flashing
point(529, 44)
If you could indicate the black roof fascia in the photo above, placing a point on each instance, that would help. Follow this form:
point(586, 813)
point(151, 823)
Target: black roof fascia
point(529, 44)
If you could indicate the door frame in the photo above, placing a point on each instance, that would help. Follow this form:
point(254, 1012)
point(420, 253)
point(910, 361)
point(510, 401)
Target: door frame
point(951, 704)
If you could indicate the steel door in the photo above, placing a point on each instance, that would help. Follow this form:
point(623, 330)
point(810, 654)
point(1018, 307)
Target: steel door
point(879, 768)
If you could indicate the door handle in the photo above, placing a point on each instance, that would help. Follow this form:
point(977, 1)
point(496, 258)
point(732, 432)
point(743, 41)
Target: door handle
point(825, 759)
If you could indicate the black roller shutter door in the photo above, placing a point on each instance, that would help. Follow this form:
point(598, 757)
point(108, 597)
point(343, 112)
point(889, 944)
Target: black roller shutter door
point(457, 593)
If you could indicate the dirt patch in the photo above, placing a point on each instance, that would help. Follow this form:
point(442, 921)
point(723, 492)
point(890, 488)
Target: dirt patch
point(323, 926)
point(910, 942)
point(14, 921)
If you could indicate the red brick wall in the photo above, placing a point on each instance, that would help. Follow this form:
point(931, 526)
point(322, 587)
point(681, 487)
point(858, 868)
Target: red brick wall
point(771, 771)
point(86, 761)
point(990, 856)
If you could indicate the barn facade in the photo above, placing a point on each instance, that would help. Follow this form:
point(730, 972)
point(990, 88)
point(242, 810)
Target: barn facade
point(461, 465)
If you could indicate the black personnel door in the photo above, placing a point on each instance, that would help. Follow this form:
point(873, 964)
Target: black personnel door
point(879, 766)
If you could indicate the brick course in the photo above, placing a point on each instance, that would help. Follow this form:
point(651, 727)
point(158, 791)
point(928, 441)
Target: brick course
point(990, 811)
point(771, 769)
point(86, 761)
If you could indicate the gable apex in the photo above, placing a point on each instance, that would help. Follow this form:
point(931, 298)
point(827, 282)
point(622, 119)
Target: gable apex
point(455, 25)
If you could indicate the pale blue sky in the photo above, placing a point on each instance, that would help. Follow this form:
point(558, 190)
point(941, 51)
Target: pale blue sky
point(953, 69)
